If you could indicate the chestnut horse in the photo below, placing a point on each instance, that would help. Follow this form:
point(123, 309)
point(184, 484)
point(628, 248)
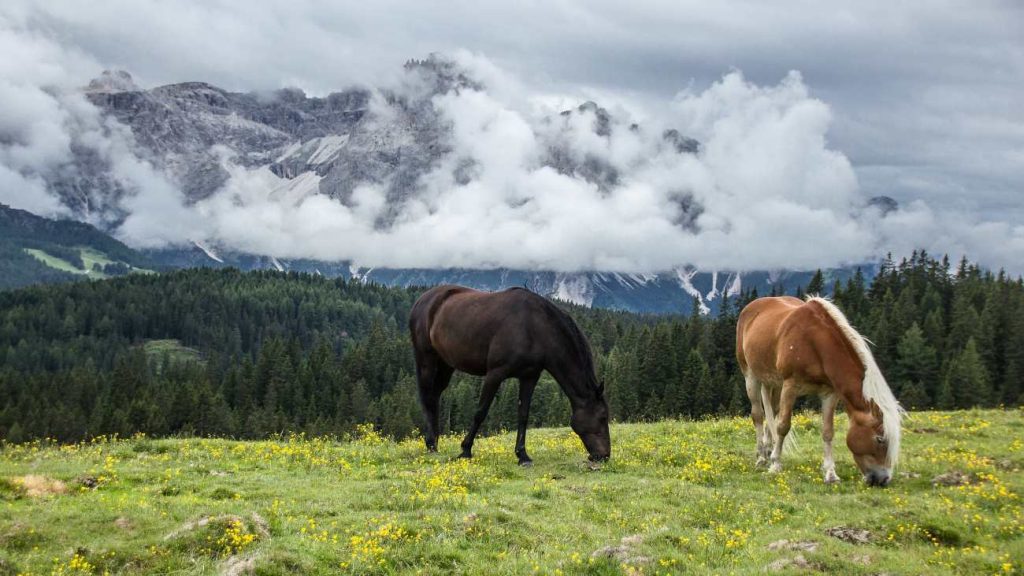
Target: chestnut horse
point(788, 348)
point(510, 334)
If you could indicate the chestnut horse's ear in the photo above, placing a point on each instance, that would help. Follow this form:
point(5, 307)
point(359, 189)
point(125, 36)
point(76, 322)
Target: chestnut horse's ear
point(600, 388)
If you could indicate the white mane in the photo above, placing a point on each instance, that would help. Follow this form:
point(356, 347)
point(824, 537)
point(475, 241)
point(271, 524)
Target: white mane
point(875, 388)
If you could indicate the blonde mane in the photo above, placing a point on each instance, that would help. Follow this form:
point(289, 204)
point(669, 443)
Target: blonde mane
point(874, 387)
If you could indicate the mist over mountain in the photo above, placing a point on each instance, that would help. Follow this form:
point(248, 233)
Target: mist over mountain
point(455, 165)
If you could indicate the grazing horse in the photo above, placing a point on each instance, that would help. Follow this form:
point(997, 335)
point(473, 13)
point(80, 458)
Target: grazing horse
point(788, 348)
point(510, 334)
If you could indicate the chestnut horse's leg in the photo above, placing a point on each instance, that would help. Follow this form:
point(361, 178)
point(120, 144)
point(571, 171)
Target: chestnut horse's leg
point(526, 386)
point(432, 377)
point(784, 420)
point(492, 380)
point(828, 412)
point(757, 415)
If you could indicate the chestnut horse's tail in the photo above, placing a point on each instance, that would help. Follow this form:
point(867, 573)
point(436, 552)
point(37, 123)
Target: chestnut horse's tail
point(874, 387)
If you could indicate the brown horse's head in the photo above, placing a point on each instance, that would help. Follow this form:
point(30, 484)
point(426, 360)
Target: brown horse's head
point(590, 422)
point(867, 440)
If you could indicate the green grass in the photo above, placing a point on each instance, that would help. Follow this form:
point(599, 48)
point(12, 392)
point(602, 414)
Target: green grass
point(174, 349)
point(90, 256)
point(54, 262)
point(677, 497)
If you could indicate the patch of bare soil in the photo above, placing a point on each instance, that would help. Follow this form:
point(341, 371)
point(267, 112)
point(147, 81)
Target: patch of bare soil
point(36, 486)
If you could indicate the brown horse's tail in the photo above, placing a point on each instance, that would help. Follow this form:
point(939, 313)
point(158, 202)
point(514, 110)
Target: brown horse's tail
point(874, 388)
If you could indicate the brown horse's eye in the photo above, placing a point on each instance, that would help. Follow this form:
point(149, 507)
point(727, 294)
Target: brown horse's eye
point(880, 439)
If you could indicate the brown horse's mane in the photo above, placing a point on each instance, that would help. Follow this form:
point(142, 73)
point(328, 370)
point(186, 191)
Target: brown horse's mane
point(576, 336)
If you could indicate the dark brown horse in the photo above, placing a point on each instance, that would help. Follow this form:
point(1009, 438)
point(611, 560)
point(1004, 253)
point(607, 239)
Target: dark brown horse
point(499, 335)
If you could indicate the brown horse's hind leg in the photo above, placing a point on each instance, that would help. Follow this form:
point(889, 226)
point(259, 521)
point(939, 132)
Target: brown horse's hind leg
point(432, 377)
point(757, 415)
point(784, 418)
point(828, 413)
point(492, 381)
point(526, 386)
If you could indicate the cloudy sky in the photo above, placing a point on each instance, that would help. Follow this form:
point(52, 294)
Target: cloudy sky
point(921, 98)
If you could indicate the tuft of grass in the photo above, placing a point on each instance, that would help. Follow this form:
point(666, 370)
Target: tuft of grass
point(677, 497)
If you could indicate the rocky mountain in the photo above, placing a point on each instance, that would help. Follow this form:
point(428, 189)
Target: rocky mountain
point(327, 145)
point(193, 134)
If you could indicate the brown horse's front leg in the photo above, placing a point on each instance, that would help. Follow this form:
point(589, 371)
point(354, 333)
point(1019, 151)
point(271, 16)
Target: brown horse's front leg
point(526, 386)
point(828, 413)
point(491, 383)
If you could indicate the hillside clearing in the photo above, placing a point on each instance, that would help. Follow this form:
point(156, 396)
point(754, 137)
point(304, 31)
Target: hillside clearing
point(677, 497)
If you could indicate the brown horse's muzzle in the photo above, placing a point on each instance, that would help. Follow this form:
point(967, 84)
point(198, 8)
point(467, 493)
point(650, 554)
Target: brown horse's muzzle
point(878, 477)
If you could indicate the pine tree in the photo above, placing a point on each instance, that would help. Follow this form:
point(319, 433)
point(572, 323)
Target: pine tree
point(816, 287)
point(968, 378)
point(915, 363)
point(698, 375)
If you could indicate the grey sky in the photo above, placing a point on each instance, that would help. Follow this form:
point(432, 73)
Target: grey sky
point(925, 95)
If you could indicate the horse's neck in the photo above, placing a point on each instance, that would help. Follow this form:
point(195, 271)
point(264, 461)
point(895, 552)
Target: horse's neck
point(572, 379)
point(852, 394)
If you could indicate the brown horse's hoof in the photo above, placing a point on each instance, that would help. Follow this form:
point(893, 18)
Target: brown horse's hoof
point(466, 454)
point(525, 462)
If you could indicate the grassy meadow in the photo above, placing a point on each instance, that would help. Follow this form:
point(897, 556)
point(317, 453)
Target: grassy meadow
point(676, 498)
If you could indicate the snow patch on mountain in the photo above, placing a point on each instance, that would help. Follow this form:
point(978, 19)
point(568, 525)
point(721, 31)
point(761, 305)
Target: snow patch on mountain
point(208, 251)
point(713, 293)
point(735, 287)
point(575, 288)
point(328, 149)
point(685, 277)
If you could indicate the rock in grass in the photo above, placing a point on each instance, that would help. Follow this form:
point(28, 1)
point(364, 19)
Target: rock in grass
point(805, 545)
point(954, 478)
point(797, 561)
point(850, 534)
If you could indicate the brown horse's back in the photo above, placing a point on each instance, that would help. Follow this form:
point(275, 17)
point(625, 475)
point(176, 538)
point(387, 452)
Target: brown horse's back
point(470, 330)
point(778, 338)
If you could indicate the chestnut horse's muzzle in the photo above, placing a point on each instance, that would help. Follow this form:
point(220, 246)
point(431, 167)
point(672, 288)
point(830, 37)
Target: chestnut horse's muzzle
point(880, 478)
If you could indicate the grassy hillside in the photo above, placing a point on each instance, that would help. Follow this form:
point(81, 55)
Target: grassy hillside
point(677, 497)
point(39, 250)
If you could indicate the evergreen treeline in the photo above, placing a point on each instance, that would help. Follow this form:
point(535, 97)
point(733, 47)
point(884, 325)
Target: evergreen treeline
point(297, 352)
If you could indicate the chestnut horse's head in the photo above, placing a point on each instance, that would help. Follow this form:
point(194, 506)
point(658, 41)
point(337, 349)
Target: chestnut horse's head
point(870, 445)
point(875, 422)
point(590, 422)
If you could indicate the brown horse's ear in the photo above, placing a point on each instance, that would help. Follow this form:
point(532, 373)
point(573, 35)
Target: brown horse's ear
point(600, 388)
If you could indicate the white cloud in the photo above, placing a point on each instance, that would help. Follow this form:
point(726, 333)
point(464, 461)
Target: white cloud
point(782, 175)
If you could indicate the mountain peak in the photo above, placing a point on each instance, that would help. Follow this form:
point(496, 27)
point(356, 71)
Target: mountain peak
point(444, 73)
point(111, 81)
